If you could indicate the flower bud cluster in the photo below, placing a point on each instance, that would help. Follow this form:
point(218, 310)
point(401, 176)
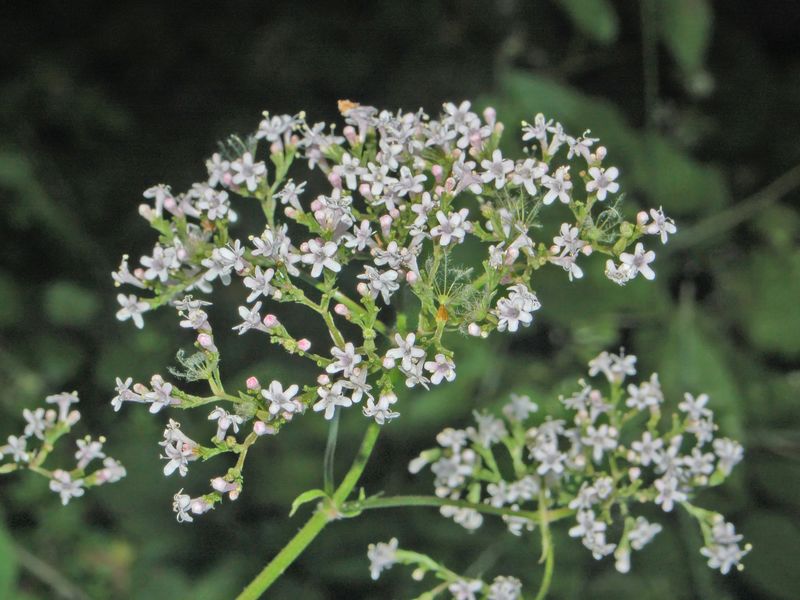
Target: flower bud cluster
point(44, 427)
point(611, 454)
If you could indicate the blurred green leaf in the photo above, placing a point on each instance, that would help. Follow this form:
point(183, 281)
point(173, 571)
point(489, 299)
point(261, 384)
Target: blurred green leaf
point(652, 164)
point(596, 19)
point(305, 498)
point(8, 564)
point(685, 28)
point(772, 565)
point(10, 300)
point(693, 361)
point(66, 303)
point(766, 288)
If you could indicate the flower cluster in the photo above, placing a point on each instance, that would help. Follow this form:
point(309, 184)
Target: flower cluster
point(610, 454)
point(401, 192)
point(383, 556)
point(43, 428)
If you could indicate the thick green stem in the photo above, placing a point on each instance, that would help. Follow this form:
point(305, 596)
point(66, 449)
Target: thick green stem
point(314, 525)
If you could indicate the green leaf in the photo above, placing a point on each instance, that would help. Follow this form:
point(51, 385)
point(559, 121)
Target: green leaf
point(8, 564)
point(652, 165)
point(305, 498)
point(693, 361)
point(66, 303)
point(771, 566)
point(596, 19)
point(685, 28)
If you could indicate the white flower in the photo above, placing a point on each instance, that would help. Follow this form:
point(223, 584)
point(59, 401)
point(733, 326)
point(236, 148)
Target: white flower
point(321, 255)
point(290, 194)
point(132, 308)
point(603, 181)
point(161, 394)
point(379, 283)
point(159, 265)
point(330, 398)
point(259, 283)
point(668, 492)
point(179, 450)
point(16, 447)
point(251, 318)
point(408, 183)
point(648, 449)
point(519, 408)
point(639, 262)
point(225, 421)
point(465, 589)
point(729, 453)
point(88, 450)
point(452, 227)
point(345, 360)
point(695, 408)
point(281, 400)
point(505, 588)
point(642, 533)
point(36, 422)
point(63, 484)
point(600, 439)
point(618, 274)
point(361, 238)
point(248, 172)
point(441, 367)
point(661, 225)
point(496, 169)
point(382, 556)
point(515, 310)
point(217, 169)
point(350, 169)
point(63, 401)
point(558, 186)
point(381, 410)
point(527, 172)
point(406, 351)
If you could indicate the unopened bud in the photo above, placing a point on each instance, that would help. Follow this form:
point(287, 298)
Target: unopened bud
point(261, 428)
point(341, 310)
point(363, 289)
point(304, 344)
point(642, 217)
point(252, 383)
point(335, 179)
point(323, 379)
point(411, 277)
point(350, 134)
point(386, 224)
point(437, 171)
point(474, 329)
point(270, 321)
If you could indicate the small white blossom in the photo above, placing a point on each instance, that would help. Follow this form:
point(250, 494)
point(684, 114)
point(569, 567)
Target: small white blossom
point(603, 182)
point(132, 308)
point(382, 556)
point(639, 262)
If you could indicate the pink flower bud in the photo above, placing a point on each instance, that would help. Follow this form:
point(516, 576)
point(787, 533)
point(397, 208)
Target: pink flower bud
point(227, 179)
point(275, 147)
point(342, 310)
point(437, 172)
point(205, 341)
point(450, 184)
point(474, 329)
point(316, 205)
point(642, 217)
point(290, 212)
point(304, 344)
point(490, 115)
point(335, 179)
point(138, 272)
point(182, 254)
point(304, 247)
point(323, 379)
point(394, 213)
point(386, 224)
point(362, 289)
point(634, 473)
point(219, 484)
point(363, 189)
point(388, 363)
point(411, 277)
point(601, 153)
point(261, 428)
point(587, 250)
point(350, 135)
point(270, 321)
point(147, 212)
point(252, 383)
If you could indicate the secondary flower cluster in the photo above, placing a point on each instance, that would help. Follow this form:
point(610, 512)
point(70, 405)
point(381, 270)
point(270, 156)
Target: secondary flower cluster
point(383, 556)
point(610, 454)
point(43, 428)
point(401, 192)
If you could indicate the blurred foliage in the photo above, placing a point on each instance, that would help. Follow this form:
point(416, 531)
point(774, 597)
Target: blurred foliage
point(99, 101)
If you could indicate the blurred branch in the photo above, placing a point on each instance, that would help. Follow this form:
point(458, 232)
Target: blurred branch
point(47, 574)
point(649, 61)
point(727, 219)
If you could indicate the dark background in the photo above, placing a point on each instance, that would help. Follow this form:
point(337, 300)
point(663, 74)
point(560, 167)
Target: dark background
point(699, 105)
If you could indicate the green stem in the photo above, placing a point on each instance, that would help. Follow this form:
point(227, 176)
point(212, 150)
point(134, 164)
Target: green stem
point(314, 525)
point(401, 501)
point(547, 549)
point(330, 454)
